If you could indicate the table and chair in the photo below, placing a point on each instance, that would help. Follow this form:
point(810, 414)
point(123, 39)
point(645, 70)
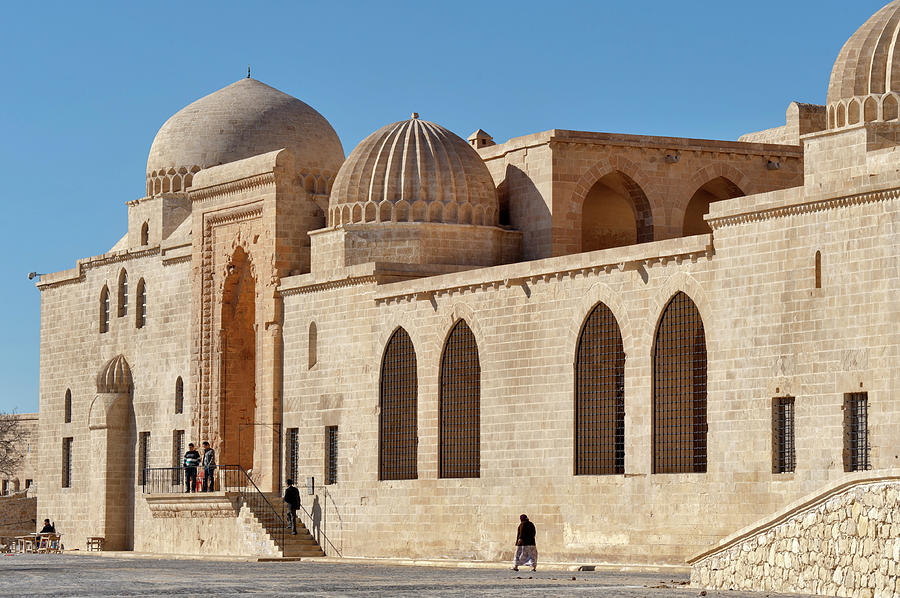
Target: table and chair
point(37, 543)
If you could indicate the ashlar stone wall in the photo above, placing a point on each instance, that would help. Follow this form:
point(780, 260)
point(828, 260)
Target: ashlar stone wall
point(844, 542)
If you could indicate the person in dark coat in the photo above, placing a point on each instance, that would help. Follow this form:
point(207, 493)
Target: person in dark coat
point(292, 498)
point(526, 549)
point(48, 527)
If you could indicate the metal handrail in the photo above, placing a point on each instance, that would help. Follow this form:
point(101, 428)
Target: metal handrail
point(312, 529)
point(230, 478)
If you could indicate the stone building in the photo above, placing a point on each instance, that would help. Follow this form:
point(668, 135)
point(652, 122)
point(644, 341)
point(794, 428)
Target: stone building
point(645, 343)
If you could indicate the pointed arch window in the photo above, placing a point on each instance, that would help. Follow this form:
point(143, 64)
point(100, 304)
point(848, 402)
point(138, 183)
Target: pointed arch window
point(179, 395)
point(313, 352)
point(398, 397)
point(104, 310)
point(140, 315)
point(145, 233)
point(123, 293)
point(600, 396)
point(460, 405)
point(67, 408)
point(679, 389)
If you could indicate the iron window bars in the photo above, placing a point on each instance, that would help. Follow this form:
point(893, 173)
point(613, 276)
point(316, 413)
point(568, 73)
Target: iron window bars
point(398, 438)
point(679, 389)
point(856, 432)
point(784, 458)
point(600, 396)
point(460, 398)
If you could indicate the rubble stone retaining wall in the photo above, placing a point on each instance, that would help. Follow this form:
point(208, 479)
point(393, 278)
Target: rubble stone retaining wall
point(844, 542)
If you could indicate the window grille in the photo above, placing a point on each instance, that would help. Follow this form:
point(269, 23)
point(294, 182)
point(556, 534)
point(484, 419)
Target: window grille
point(143, 455)
point(141, 304)
point(460, 405)
point(179, 395)
point(331, 454)
point(123, 293)
point(398, 438)
point(679, 390)
point(784, 458)
point(67, 463)
point(856, 432)
point(104, 310)
point(67, 415)
point(293, 454)
point(600, 396)
point(177, 453)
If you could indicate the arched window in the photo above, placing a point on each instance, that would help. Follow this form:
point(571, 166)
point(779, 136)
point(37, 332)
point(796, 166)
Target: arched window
point(818, 269)
point(104, 310)
point(460, 405)
point(600, 396)
point(313, 344)
point(179, 395)
point(679, 389)
point(140, 315)
point(145, 233)
point(67, 409)
point(398, 438)
point(123, 293)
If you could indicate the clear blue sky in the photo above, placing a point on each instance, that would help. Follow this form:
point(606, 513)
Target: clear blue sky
point(88, 84)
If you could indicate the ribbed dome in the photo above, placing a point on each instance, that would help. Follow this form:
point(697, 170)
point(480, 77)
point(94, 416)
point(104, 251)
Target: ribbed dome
point(867, 70)
point(413, 171)
point(244, 119)
point(115, 376)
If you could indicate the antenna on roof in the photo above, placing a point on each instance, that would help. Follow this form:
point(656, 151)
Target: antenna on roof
point(248, 71)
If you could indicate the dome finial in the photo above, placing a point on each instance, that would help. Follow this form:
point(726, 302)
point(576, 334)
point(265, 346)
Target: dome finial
point(248, 71)
point(414, 115)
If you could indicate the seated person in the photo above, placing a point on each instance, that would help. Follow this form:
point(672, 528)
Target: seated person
point(48, 528)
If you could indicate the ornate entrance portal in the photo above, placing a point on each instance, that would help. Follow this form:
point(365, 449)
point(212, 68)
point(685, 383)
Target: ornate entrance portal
point(238, 389)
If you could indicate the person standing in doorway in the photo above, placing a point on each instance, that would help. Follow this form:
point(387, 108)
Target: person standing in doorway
point(526, 550)
point(191, 461)
point(209, 467)
point(292, 498)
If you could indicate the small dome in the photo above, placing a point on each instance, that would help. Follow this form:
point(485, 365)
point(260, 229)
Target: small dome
point(867, 71)
point(244, 119)
point(115, 376)
point(414, 171)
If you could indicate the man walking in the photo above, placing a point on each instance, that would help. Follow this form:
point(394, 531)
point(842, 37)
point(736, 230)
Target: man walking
point(209, 467)
point(292, 498)
point(526, 551)
point(191, 461)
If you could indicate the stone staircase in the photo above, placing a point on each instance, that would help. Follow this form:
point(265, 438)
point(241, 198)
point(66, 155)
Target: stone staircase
point(301, 545)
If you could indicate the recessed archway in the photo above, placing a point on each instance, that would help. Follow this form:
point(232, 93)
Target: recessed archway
point(715, 190)
point(238, 390)
point(615, 213)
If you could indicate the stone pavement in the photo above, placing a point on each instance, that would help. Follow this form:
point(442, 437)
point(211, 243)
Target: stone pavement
point(82, 575)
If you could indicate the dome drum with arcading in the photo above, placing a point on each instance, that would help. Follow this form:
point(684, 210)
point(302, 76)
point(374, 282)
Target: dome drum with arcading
point(244, 119)
point(865, 80)
point(414, 171)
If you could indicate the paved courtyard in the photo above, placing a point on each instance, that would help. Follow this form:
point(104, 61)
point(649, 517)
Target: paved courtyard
point(70, 575)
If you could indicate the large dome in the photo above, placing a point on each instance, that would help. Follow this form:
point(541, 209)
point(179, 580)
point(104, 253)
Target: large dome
point(866, 76)
point(244, 119)
point(413, 171)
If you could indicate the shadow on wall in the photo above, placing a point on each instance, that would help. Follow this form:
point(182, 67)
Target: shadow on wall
point(523, 207)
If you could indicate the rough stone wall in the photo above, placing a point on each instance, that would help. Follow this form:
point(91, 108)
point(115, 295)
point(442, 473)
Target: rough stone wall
point(846, 544)
point(18, 515)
